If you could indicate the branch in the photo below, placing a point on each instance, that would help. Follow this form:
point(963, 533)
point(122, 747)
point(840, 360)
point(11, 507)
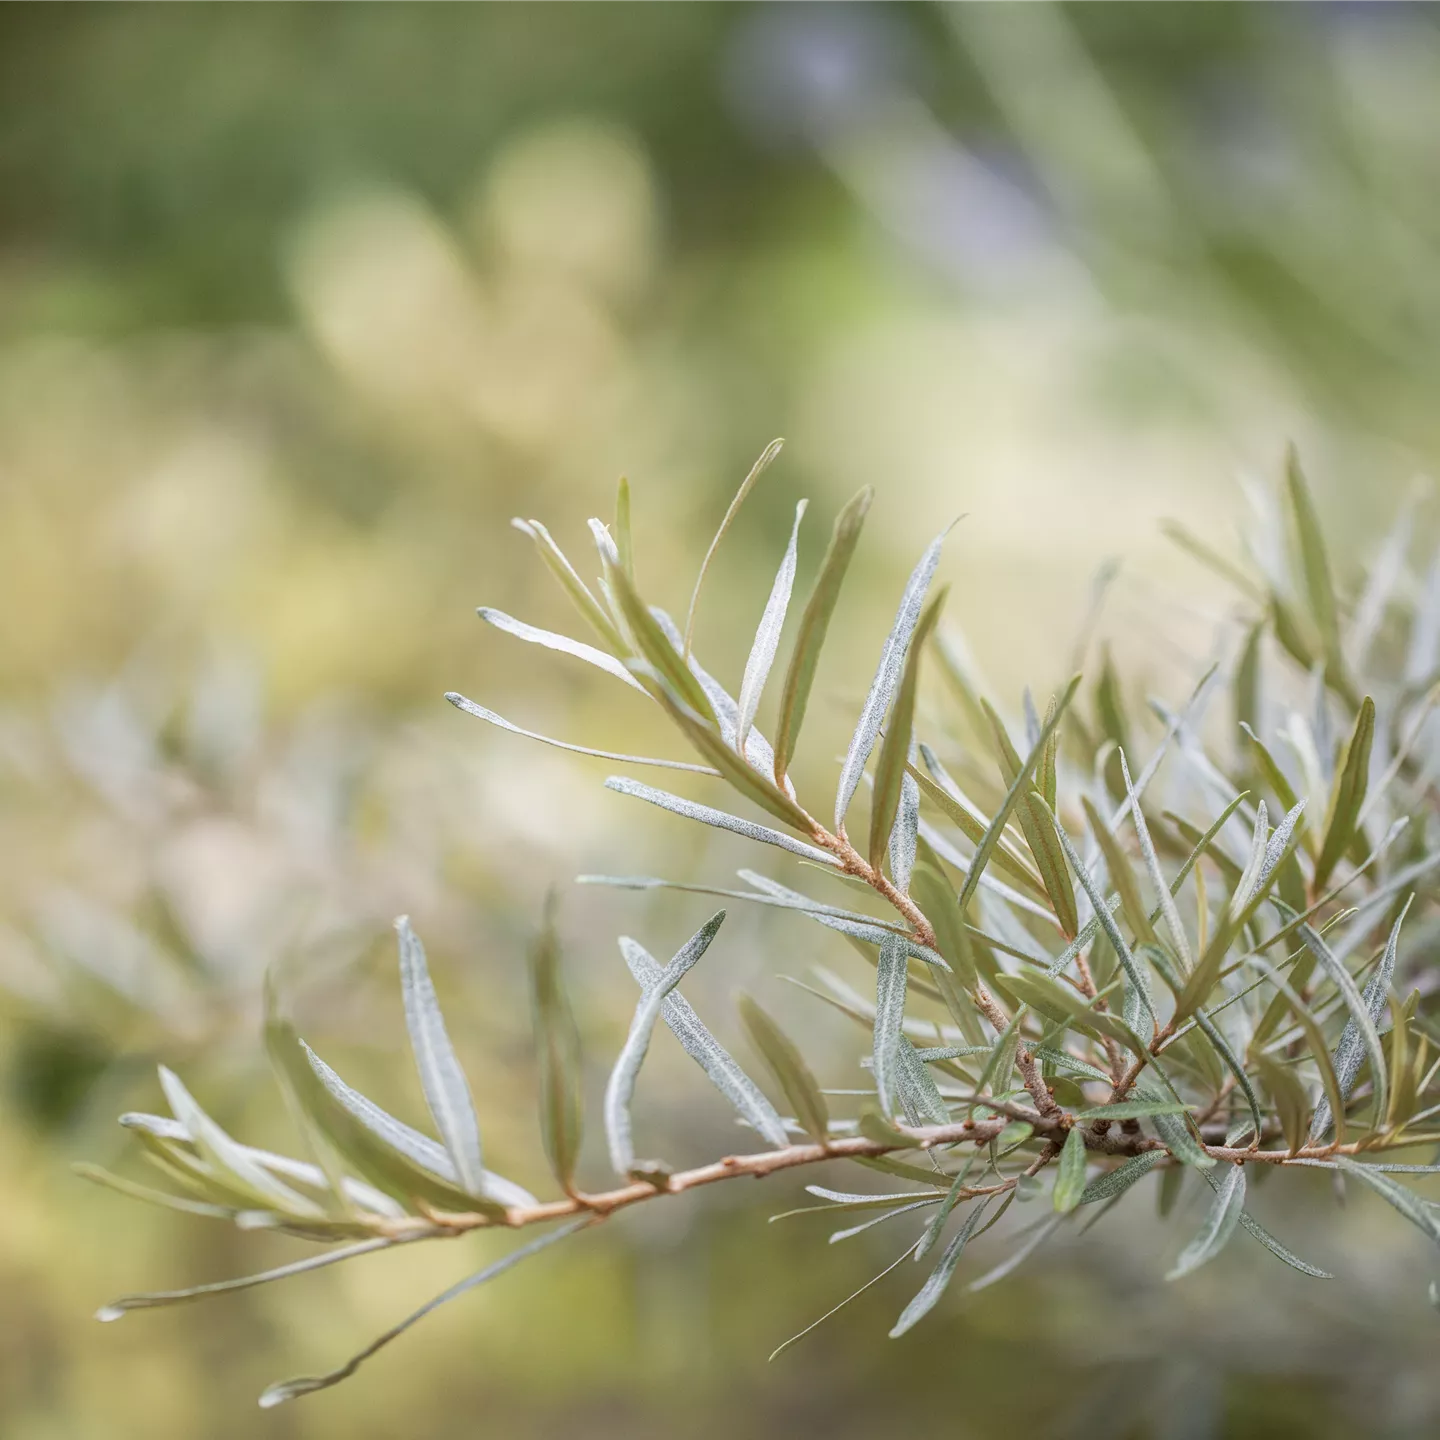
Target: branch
point(769, 1162)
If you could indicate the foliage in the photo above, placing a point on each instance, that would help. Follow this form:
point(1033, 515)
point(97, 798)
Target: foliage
point(1077, 983)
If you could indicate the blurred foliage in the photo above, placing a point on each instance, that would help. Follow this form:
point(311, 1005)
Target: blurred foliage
point(299, 305)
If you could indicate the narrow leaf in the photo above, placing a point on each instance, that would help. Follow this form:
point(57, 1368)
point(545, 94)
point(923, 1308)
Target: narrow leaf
point(788, 1067)
point(1070, 1173)
point(1347, 795)
point(621, 1087)
point(1350, 1052)
point(767, 635)
point(905, 834)
point(1114, 1183)
point(1423, 1216)
point(232, 1159)
point(707, 1052)
point(446, 1091)
point(678, 805)
point(1131, 1110)
point(566, 646)
point(998, 821)
point(579, 593)
point(1359, 1012)
point(746, 485)
point(1168, 907)
point(156, 1298)
point(895, 748)
point(400, 1160)
point(285, 1390)
point(887, 677)
point(891, 976)
point(1219, 1225)
point(810, 639)
point(940, 1277)
point(481, 713)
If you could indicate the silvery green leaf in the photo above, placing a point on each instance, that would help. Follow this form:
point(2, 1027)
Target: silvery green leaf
point(768, 892)
point(952, 1198)
point(899, 1260)
point(951, 856)
point(1008, 1266)
point(1132, 967)
point(1070, 1064)
point(918, 1090)
point(116, 1308)
point(563, 643)
point(408, 1142)
point(1132, 1008)
point(1355, 1003)
point(1276, 845)
point(232, 1159)
point(1410, 1205)
point(1168, 907)
point(1219, 1225)
point(887, 677)
point(285, 1390)
point(934, 1287)
point(788, 1066)
point(860, 927)
point(570, 582)
point(1347, 797)
point(605, 544)
point(446, 1091)
point(746, 485)
point(359, 1193)
point(1131, 1110)
point(897, 746)
point(707, 1052)
point(800, 676)
point(650, 652)
point(1261, 1234)
point(727, 713)
point(891, 976)
point(1070, 1173)
point(840, 1235)
point(1175, 1133)
point(621, 1086)
point(720, 819)
point(1116, 1182)
point(1350, 1052)
point(481, 713)
point(1215, 1036)
point(849, 1197)
point(767, 634)
point(151, 1196)
point(905, 834)
point(1250, 876)
point(1018, 786)
point(1062, 961)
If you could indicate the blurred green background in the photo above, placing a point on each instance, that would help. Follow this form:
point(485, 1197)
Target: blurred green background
point(299, 305)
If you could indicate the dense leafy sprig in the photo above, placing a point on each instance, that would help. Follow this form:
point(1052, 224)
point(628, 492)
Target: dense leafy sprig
point(1076, 984)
